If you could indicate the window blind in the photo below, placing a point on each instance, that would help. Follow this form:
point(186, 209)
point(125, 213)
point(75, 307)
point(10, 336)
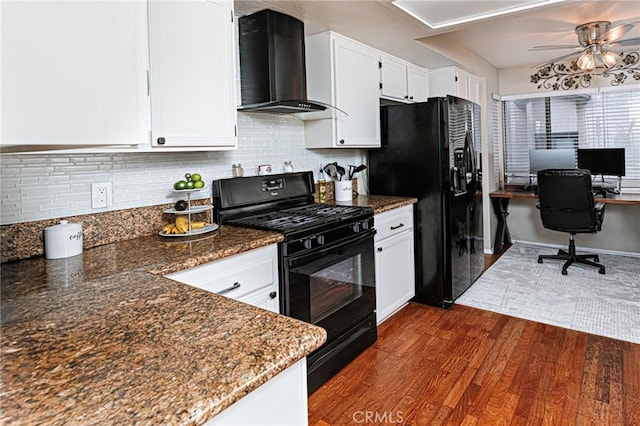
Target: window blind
point(494, 135)
point(598, 120)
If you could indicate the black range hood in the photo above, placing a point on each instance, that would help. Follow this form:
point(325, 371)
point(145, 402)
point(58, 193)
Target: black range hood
point(273, 76)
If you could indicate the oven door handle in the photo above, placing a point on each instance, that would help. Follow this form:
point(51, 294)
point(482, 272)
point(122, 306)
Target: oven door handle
point(323, 250)
point(350, 242)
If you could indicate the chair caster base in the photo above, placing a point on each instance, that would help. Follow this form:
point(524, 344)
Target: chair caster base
point(571, 258)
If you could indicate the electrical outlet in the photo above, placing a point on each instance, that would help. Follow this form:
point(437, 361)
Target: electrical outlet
point(101, 195)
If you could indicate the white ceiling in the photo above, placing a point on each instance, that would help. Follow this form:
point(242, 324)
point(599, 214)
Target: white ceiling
point(503, 41)
point(442, 14)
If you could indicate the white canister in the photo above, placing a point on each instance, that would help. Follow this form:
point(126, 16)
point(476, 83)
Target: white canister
point(63, 240)
point(343, 190)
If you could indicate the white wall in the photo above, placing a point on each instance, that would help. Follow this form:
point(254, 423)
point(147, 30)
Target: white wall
point(517, 81)
point(44, 186)
point(620, 228)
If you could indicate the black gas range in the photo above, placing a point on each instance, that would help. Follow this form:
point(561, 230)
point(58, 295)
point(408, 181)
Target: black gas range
point(326, 262)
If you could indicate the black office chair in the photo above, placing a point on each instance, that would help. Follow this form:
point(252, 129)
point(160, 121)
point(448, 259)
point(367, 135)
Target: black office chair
point(566, 204)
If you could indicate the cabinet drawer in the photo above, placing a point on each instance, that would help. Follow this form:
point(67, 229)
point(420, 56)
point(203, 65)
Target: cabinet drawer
point(393, 222)
point(235, 276)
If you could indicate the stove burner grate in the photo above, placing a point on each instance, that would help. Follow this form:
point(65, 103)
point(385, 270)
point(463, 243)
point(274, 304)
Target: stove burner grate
point(301, 217)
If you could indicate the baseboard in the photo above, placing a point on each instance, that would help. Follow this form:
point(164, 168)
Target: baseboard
point(581, 248)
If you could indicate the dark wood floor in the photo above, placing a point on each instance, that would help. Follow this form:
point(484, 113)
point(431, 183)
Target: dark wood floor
point(465, 366)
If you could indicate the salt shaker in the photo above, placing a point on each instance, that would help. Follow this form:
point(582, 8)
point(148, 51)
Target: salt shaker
point(288, 167)
point(237, 171)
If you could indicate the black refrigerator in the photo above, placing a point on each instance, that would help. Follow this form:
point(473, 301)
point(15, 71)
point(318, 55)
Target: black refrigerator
point(432, 151)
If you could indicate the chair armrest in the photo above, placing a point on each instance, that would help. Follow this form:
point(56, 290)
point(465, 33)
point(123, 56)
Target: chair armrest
point(599, 212)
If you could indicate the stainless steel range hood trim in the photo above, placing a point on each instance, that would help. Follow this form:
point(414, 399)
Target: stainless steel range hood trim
point(305, 110)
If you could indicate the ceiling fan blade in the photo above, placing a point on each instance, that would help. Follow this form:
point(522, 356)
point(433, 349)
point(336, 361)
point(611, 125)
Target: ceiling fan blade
point(559, 58)
point(617, 32)
point(627, 42)
point(556, 46)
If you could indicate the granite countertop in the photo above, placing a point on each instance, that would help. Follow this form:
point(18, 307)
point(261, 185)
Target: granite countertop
point(97, 338)
point(379, 203)
point(103, 338)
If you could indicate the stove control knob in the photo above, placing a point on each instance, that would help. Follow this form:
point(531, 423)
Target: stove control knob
point(365, 225)
point(355, 227)
point(307, 243)
point(320, 239)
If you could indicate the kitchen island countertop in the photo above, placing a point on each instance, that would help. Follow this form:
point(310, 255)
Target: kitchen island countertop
point(103, 338)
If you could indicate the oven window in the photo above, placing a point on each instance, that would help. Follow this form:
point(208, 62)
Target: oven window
point(332, 288)
point(335, 287)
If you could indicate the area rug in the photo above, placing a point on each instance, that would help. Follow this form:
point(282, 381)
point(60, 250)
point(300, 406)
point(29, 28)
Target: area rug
point(584, 300)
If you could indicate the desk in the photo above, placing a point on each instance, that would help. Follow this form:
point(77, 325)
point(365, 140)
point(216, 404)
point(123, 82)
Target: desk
point(500, 202)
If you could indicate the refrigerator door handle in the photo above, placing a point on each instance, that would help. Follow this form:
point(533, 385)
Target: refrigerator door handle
point(455, 183)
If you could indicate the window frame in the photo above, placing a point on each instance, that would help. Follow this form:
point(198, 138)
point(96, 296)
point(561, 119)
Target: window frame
point(512, 170)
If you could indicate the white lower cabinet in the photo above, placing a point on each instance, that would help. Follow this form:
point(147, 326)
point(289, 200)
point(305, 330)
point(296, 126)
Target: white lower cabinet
point(281, 401)
point(395, 268)
point(250, 277)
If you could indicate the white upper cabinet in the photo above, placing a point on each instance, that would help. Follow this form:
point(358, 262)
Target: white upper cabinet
point(417, 83)
point(192, 74)
point(343, 73)
point(393, 78)
point(473, 88)
point(454, 81)
point(102, 76)
point(73, 74)
point(402, 81)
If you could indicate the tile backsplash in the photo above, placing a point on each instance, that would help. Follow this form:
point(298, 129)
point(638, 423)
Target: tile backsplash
point(45, 186)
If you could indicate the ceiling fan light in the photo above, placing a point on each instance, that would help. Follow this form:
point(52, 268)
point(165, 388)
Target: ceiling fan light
point(587, 62)
point(610, 59)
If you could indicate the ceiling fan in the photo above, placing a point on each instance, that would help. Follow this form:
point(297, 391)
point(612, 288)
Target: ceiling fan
point(595, 43)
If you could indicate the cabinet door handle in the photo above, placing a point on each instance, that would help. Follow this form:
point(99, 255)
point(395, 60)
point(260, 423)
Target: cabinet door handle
point(397, 227)
point(341, 141)
point(228, 289)
point(273, 294)
point(161, 141)
point(379, 249)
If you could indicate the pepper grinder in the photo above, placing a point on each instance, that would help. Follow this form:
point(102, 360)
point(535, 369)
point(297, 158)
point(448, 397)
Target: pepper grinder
point(237, 170)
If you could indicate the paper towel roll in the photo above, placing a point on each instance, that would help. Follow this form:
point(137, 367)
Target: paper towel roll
point(63, 240)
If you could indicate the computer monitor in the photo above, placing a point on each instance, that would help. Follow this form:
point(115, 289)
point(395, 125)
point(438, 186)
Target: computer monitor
point(540, 159)
point(602, 161)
